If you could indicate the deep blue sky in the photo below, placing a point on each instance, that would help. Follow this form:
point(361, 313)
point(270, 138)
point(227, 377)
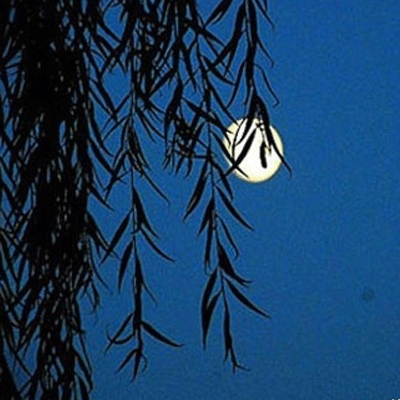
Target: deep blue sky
point(324, 257)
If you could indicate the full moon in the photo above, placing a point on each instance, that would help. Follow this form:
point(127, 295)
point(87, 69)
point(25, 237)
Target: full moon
point(261, 161)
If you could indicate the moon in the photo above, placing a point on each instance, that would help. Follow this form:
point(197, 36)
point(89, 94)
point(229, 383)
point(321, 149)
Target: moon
point(261, 161)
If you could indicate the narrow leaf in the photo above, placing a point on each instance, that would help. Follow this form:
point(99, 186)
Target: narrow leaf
point(227, 154)
point(159, 336)
point(207, 315)
point(141, 214)
point(266, 81)
point(207, 253)
point(243, 152)
point(205, 115)
point(233, 210)
point(83, 389)
point(224, 180)
point(205, 303)
point(264, 10)
point(155, 187)
point(155, 247)
point(99, 156)
point(219, 11)
point(120, 330)
point(173, 105)
point(105, 96)
point(117, 236)
point(232, 44)
point(208, 216)
point(127, 359)
point(84, 365)
point(124, 340)
point(214, 70)
point(240, 19)
point(230, 238)
point(263, 159)
point(124, 264)
point(268, 132)
point(198, 191)
point(227, 333)
point(226, 266)
point(246, 301)
point(138, 357)
point(237, 84)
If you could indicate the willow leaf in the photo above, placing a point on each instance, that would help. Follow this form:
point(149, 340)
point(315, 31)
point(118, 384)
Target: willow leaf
point(219, 11)
point(155, 247)
point(141, 214)
point(208, 216)
point(209, 117)
point(138, 358)
point(233, 210)
point(117, 236)
point(240, 19)
point(120, 330)
point(104, 94)
point(268, 132)
point(227, 154)
point(227, 333)
point(263, 159)
point(207, 253)
point(173, 105)
point(225, 264)
point(83, 389)
point(266, 81)
point(127, 359)
point(207, 315)
point(264, 10)
point(205, 303)
point(230, 238)
point(198, 191)
point(99, 156)
point(124, 264)
point(243, 153)
point(214, 70)
point(209, 287)
point(159, 336)
point(224, 180)
point(244, 300)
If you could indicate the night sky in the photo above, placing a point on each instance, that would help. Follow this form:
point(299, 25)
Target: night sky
point(324, 254)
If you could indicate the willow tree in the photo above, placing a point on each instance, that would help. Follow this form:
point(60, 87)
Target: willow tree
point(58, 116)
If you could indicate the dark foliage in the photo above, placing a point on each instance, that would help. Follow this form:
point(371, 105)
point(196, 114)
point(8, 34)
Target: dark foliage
point(55, 59)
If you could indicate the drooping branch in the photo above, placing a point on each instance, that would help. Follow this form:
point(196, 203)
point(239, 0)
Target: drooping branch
point(55, 157)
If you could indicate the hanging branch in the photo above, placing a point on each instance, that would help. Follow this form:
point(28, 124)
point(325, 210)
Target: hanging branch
point(55, 57)
point(132, 161)
point(47, 168)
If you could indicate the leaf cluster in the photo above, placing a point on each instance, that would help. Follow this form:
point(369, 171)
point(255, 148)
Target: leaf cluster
point(55, 59)
point(50, 141)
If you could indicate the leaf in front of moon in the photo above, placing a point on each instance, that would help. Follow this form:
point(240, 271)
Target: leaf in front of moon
point(243, 153)
point(263, 159)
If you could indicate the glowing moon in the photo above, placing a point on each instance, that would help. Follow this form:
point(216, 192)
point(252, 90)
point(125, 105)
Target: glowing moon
point(262, 161)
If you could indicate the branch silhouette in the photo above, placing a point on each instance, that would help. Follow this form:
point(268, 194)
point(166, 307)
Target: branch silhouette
point(56, 59)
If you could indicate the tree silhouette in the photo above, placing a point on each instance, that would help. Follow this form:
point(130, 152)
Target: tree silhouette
point(57, 119)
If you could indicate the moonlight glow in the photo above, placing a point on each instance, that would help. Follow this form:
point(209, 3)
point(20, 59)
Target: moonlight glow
point(261, 161)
